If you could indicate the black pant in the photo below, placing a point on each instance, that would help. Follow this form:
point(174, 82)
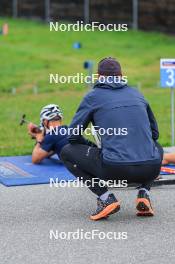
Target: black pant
point(86, 163)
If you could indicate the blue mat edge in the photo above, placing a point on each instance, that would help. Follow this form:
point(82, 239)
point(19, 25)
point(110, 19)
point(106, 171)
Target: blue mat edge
point(12, 182)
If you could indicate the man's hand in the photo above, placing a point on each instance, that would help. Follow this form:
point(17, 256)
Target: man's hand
point(31, 128)
point(39, 136)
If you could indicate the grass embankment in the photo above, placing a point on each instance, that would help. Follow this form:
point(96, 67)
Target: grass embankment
point(30, 52)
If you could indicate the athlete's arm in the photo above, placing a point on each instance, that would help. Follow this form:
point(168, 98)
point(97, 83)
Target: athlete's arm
point(39, 154)
point(168, 158)
point(81, 120)
point(42, 149)
point(153, 123)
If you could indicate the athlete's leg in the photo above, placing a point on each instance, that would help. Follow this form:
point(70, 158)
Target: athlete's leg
point(85, 163)
point(143, 174)
point(155, 169)
point(143, 203)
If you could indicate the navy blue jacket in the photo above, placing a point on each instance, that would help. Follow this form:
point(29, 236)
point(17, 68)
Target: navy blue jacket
point(124, 108)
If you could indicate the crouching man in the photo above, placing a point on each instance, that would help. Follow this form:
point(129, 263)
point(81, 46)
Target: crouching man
point(133, 154)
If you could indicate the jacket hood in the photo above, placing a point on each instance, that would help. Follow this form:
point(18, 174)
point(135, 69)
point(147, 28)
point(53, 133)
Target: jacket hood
point(110, 82)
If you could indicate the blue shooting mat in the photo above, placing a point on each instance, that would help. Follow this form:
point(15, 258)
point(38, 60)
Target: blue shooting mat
point(19, 170)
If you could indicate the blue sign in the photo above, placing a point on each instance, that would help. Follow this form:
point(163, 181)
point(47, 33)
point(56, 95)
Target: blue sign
point(167, 73)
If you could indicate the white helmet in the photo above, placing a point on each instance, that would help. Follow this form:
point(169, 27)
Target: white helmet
point(49, 112)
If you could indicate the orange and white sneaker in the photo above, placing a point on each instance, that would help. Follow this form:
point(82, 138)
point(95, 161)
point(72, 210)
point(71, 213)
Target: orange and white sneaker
point(105, 208)
point(143, 204)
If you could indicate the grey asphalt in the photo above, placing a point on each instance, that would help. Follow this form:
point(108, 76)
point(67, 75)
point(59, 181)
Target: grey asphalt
point(29, 213)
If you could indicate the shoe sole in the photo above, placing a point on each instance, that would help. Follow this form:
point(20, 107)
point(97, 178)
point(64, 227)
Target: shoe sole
point(110, 209)
point(113, 212)
point(143, 207)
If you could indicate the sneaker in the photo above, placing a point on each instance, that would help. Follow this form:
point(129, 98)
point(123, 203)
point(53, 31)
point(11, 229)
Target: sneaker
point(105, 208)
point(143, 204)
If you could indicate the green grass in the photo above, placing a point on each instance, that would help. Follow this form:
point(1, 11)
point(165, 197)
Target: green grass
point(14, 139)
point(30, 52)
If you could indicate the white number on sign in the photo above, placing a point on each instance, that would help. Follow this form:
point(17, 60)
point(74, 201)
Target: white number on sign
point(171, 77)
